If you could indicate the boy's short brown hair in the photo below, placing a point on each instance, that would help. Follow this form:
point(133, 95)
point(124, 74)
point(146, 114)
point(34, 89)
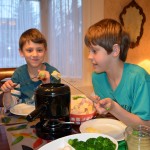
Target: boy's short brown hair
point(106, 33)
point(33, 35)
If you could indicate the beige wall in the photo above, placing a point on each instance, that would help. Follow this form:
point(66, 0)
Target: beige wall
point(113, 8)
point(93, 11)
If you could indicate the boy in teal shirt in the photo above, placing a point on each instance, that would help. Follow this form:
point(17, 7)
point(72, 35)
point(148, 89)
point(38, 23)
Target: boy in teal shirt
point(26, 78)
point(121, 88)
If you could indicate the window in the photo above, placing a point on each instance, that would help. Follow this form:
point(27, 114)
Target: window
point(16, 16)
point(65, 36)
point(64, 32)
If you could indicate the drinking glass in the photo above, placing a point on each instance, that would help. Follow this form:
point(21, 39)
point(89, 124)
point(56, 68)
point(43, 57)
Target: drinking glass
point(137, 137)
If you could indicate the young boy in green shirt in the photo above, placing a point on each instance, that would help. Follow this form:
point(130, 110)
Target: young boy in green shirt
point(26, 78)
point(122, 89)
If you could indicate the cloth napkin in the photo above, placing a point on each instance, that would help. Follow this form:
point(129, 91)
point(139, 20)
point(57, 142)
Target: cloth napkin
point(122, 145)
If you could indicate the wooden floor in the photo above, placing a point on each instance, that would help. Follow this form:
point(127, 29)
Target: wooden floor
point(3, 139)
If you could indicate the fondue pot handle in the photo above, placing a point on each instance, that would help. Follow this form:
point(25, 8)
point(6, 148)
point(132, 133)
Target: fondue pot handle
point(36, 113)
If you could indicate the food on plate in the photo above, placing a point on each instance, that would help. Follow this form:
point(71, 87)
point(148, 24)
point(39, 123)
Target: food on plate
point(56, 75)
point(92, 130)
point(41, 74)
point(81, 105)
point(93, 144)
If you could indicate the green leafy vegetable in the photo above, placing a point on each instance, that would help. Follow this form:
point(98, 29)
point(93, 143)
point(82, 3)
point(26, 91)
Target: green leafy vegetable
point(99, 143)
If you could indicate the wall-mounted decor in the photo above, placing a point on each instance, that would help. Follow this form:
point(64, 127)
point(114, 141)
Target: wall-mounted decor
point(132, 18)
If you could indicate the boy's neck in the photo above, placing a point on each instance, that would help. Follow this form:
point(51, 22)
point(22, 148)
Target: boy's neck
point(115, 75)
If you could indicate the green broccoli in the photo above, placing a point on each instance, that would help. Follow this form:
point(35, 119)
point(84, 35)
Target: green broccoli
point(81, 145)
point(99, 143)
point(91, 141)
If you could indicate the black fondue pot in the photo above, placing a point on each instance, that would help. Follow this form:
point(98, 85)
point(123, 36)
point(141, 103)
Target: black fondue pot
point(52, 105)
point(51, 101)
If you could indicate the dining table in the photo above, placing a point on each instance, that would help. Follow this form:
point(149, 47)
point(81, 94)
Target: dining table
point(16, 133)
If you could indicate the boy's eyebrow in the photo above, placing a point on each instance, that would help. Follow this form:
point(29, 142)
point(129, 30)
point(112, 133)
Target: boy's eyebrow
point(28, 48)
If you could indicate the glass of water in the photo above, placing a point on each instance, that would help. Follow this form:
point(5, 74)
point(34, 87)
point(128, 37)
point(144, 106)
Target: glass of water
point(137, 137)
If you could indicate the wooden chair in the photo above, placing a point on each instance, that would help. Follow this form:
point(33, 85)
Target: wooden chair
point(5, 73)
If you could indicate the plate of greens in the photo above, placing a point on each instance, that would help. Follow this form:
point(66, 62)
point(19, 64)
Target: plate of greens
point(82, 141)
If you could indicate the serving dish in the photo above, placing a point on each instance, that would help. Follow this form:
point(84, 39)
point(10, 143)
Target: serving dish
point(60, 143)
point(82, 109)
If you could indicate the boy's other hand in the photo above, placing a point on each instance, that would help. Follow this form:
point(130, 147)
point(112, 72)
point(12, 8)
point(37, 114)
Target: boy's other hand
point(104, 105)
point(8, 86)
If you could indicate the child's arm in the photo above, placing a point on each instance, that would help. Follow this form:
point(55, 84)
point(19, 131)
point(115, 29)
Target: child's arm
point(108, 105)
point(8, 100)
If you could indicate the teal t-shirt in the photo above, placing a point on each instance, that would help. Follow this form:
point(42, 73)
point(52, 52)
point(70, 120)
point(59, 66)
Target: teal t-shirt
point(132, 93)
point(27, 86)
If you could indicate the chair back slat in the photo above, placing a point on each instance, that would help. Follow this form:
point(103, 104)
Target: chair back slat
point(6, 73)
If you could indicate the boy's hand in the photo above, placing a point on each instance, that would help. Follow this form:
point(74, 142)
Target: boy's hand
point(44, 76)
point(8, 86)
point(104, 105)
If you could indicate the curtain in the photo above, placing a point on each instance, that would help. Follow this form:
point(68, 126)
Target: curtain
point(63, 32)
point(16, 16)
point(65, 36)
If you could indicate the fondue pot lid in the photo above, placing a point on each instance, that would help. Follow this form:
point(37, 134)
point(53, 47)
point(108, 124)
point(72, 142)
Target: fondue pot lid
point(52, 89)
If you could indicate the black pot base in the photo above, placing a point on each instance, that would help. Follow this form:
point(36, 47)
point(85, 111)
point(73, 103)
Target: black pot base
point(47, 133)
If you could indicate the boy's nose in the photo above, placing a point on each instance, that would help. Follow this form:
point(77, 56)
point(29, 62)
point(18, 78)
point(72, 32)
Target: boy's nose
point(34, 53)
point(90, 56)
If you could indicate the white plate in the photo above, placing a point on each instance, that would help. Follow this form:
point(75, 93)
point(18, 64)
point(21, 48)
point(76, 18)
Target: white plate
point(111, 127)
point(22, 109)
point(62, 142)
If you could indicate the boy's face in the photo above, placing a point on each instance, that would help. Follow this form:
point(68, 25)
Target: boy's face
point(100, 60)
point(33, 53)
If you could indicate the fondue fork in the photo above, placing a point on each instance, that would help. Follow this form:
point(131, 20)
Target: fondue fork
point(57, 75)
point(87, 95)
point(26, 82)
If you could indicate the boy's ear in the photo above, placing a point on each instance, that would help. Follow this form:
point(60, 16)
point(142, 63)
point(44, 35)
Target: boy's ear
point(21, 53)
point(116, 50)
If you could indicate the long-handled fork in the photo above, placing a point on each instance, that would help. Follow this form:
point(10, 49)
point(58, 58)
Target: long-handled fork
point(22, 83)
point(57, 76)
